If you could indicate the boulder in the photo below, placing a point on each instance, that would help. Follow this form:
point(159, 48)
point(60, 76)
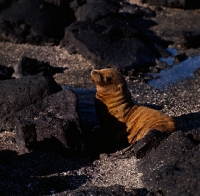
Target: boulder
point(29, 66)
point(15, 94)
point(173, 167)
point(50, 124)
point(95, 10)
point(35, 22)
point(110, 42)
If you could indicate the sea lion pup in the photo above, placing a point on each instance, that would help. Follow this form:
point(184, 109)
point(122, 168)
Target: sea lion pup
point(119, 116)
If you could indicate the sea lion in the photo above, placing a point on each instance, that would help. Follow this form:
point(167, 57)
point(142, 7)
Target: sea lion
point(119, 116)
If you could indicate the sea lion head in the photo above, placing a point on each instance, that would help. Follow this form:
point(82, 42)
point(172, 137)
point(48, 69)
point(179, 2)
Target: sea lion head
point(108, 80)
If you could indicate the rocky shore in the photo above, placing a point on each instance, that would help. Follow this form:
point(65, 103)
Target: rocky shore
point(47, 134)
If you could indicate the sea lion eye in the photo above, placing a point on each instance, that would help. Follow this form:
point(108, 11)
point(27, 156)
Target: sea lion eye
point(108, 79)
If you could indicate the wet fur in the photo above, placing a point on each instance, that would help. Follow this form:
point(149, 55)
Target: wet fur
point(119, 116)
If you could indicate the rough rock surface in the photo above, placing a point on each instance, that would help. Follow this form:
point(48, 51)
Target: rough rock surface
point(52, 124)
point(173, 167)
point(15, 94)
point(94, 10)
point(142, 147)
point(35, 22)
point(124, 50)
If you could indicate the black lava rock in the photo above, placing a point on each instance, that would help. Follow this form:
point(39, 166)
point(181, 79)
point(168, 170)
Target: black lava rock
point(173, 167)
point(144, 146)
point(122, 49)
point(95, 10)
point(151, 140)
point(35, 22)
point(179, 58)
point(15, 94)
point(29, 66)
point(51, 124)
point(191, 39)
point(5, 3)
point(5, 72)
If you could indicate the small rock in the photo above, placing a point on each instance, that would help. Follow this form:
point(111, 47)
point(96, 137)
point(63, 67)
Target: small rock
point(179, 58)
point(29, 66)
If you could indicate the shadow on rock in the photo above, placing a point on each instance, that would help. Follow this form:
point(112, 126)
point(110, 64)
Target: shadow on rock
point(39, 173)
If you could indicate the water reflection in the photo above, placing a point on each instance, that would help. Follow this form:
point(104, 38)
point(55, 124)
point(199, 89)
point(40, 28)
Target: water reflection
point(177, 73)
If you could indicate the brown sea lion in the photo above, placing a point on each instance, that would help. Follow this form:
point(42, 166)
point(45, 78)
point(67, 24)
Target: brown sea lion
point(119, 116)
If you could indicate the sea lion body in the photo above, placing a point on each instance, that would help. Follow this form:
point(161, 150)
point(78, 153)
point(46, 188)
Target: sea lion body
point(119, 116)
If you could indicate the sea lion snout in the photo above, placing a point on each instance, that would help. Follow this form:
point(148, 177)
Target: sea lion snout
point(95, 76)
point(93, 72)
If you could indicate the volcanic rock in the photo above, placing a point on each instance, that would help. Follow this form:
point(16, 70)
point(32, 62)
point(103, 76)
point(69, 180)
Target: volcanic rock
point(29, 66)
point(35, 22)
point(51, 124)
point(191, 39)
point(15, 94)
point(179, 58)
point(94, 10)
point(173, 167)
point(110, 42)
